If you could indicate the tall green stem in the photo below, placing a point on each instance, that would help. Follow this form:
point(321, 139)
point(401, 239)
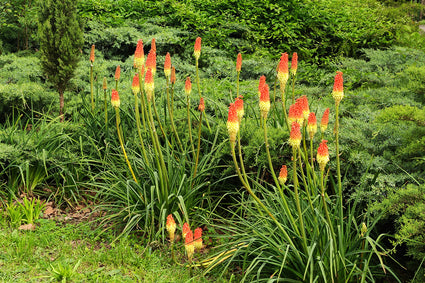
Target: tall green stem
point(91, 88)
point(118, 119)
point(282, 91)
point(297, 197)
point(198, 83)
point(189, 124)
point(198, 148)
point(170, 112)
point(138, 126)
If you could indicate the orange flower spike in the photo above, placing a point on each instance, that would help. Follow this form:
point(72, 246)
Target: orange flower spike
point(92, 54)
point(265, 101)
point(197, 238)
point(201, 106)
point(303, 102)
point(189, 245)
point(151, 62)
point(197, 49)
point(188, 86)
point(167, 65)
point(104, 84)
point(261, 84)
point(171, 227)
point(139, 55)
point(322, 155)
point(117, 73)
point(283, 175)
point(239, 107)
point(295, 135)
point(295, 113)
point(325, 120)
point(149, 85)
point(239, 63)
point(135, 86)
point(185, 229)
point(294, 64)
point(153, 45)
point(232, 123)
point(173, 75)
point(115, 99)
point(282, 73)
point(338, 91)
point(312, 125)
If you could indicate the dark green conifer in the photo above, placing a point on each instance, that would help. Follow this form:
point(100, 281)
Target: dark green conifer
point(60, 38)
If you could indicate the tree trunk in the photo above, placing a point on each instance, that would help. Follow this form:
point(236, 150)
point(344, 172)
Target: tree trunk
point(61, 105)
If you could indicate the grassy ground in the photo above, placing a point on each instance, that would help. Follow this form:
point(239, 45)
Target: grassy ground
point(71, 253)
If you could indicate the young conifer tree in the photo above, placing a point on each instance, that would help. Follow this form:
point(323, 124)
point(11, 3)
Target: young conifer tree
point(61, 38)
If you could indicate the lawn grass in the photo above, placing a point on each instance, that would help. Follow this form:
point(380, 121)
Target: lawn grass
point(69, 252)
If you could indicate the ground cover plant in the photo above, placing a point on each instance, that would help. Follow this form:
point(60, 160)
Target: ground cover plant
point(145, 138)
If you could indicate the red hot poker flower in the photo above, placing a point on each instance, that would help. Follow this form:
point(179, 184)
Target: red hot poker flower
point(151, 62)
point(115, 99)
point(188, 86)
point(294, 63)
point(325, 120)
point(303, 102)
point(171, 227)
point(139, 55)
point(189, 245)
point(167, 65)
point(312, 125)
point(135, 86)
point(232, 123)
point(149, 85)
point(185, 230)
point(201, 106)
point(92, 54)
point(117, 73)
point(239, 63)
point(282, 73)
point(295, 114)
point(153, 45)
point(197, 49)
point(295, 135)
point(173, 75)
point(197, 238)
point(265, 101)
point(322, 155)
point(338, 91)
point(283, 175)
point(261, 84)
point(239, 107)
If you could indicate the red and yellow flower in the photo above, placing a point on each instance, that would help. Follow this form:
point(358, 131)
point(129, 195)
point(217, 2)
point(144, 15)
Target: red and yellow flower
point(151, 62)
point(189, 245)
point(239, 107)
point(149, 85)
point(197, 49)
point(325, 120)
point(117, 73)
point(171, 227)
point(115, 99)
point(312, 125)
point(283, 175)
point(295, 135)
point(188, 86)
point(294, 64)
point(232, 123)
point(338, 91)
point(167, 65)
point(322, 155)
point(135, 86)
point(139, 55)
point(282, 71)
point(197, 238)
point(265, 101)
point(239, 62)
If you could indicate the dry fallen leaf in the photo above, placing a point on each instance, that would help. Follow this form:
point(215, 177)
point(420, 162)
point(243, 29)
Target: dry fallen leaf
point(27, 227)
